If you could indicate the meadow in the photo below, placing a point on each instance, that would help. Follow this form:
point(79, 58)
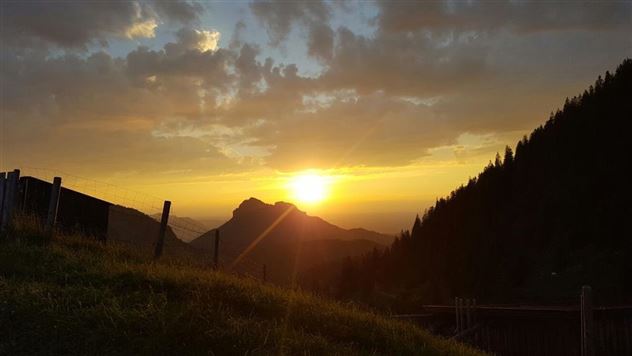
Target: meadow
point(72, 295)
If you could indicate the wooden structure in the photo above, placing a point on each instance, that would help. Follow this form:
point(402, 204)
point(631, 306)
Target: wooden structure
point(164, 220)
point(64, 208)
point(517, 330)
point(216, 250)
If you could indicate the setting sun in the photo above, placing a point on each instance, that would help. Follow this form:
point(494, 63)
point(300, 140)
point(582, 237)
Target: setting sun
point(309, 188)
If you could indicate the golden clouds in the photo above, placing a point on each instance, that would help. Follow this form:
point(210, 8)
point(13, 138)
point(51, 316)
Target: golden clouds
point(143, 29)
point(209, 40)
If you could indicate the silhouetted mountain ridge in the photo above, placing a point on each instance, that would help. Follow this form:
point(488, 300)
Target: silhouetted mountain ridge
point(140, 231)
point(286, 239)
point(185, 228)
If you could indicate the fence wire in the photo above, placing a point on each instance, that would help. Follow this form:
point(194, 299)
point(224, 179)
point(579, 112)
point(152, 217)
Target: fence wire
point(149, 205)
point(114, 194)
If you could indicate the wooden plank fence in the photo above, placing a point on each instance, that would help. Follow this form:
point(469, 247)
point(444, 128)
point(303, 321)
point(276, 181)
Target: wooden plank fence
point(11, 202)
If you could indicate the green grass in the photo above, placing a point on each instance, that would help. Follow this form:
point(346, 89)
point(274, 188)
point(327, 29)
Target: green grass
point(74, 296)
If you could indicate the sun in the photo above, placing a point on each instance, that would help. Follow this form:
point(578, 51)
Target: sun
point(309, 188)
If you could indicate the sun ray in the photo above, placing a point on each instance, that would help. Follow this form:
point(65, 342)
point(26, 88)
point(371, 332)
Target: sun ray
point(261, 237)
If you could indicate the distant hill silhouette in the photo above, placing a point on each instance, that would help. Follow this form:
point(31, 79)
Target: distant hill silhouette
point(190, 226)
point(140, 231)
point(289, 240)
point(531, 227)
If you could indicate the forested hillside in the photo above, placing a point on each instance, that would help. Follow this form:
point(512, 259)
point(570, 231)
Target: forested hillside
point(534, 225)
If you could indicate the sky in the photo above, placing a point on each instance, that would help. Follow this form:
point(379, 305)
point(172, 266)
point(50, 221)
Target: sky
point(390, 104)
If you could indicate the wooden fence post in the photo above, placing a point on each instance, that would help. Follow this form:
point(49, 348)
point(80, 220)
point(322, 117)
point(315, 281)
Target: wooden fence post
point(25, 194)
point(11, 187)
point(164, 220)
point(457, 305)
point(468, 313)
point(587, 321)
point(216, 251)
point(463, 314)
point(3, 180)
point(53, 205)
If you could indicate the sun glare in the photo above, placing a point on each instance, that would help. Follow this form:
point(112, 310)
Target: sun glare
point(309, 188)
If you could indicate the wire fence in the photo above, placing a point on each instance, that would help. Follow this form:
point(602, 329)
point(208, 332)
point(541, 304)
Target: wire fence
point(143, 202)
point(129, 223)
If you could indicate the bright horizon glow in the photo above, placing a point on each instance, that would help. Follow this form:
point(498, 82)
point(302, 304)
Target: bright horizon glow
point(309, 188)
point(380, 198)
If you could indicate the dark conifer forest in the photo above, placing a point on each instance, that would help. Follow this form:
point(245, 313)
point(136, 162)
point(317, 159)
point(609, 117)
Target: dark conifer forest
point(534, 226)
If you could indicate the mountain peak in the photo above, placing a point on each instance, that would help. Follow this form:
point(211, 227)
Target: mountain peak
point(285, 205)
point(251, 202)
point(274, 234)
point(248, 205)
point(254, 205)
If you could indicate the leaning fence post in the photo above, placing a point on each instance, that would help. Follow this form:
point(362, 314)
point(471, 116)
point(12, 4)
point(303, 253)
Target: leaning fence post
point(216, 251)
point(53, 204)
point(3, 179)
point(164, 220)
point(587, 321)
point(11, 187)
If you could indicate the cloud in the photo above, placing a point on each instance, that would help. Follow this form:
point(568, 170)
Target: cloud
point(144, 29)
point(278, 17)
point(421, 80)
point(321, 42)
point(194, 39)
point(77, 24)
point(209, 40)
point(188, 70)
point(350, 130)
point(520, 16)
point(413, 65)
point(250, 72)
point(179, 11)
point(89, 151)
point(94, 110)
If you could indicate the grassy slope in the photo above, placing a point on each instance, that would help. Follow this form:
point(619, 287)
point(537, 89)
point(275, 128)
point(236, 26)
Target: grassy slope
point(78, 297)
